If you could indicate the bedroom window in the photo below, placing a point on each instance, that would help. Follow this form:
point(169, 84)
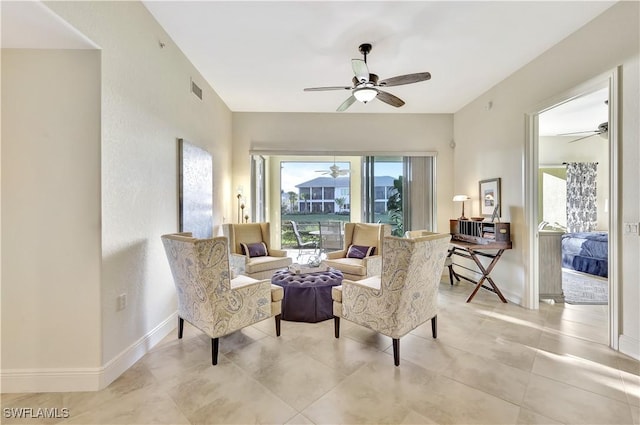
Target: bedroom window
point(553, 202)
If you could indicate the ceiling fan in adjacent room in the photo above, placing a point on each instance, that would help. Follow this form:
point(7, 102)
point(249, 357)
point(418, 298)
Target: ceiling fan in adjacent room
point(366, 86)
point(602, 131)
point(334, 171)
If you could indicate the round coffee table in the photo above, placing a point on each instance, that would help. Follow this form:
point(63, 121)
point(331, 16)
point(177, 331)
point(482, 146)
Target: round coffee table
point(307, 297)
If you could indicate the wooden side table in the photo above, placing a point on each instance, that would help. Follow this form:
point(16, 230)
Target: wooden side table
point(473, 251)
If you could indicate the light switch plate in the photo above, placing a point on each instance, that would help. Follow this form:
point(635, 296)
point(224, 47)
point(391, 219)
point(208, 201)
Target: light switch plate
point(631, 228)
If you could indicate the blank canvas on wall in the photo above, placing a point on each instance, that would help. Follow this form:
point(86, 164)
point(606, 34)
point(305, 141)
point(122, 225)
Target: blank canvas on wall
point(196, 190)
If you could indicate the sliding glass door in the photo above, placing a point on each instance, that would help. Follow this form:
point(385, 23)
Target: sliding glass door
point(382, 193)
point(398, 191)
point(314, 201)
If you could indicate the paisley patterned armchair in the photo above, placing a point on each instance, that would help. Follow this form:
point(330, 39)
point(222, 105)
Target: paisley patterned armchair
point(207, 296)
point(403, 297)
point(448, 262)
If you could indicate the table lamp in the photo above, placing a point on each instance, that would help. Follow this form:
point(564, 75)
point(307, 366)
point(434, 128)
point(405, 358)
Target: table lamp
point(461, 198)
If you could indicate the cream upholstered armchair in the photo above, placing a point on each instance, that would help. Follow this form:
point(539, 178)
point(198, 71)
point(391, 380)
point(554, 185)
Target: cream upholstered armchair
point(403, 297)
point(360, 256)
point(207, 296)
point(251, 253)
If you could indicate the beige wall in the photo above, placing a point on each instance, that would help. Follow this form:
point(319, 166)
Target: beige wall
point(124, 193)
point(491, 141)
point(348, 133)
point(51, 209)
point(146, 105)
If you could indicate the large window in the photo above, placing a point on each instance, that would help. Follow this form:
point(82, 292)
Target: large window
point(395, 190)
point(552, 200)
point(311, 196)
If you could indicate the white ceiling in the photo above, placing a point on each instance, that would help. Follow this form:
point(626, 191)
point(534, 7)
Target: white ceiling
point(259, 56)
point(31, 25)
point(581, 115)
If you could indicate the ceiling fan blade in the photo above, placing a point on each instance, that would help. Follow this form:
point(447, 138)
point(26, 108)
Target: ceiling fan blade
point(583, 137)
point(588, 132)
point(602, 128)
point(405, 79)
point(328, 88)
point(390, 99)
point(360, 70)
point(346, 104)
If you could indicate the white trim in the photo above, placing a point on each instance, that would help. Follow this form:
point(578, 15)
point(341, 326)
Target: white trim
point(84, 379)
point(50, 380)
point(531, 293)
point(630, 346)
point(123, 361)
point(530, 257)
point(256, 150)
point(615, 216)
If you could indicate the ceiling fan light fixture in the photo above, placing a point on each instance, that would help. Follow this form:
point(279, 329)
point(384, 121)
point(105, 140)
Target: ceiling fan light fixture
point(365, 84)
point(365, 94)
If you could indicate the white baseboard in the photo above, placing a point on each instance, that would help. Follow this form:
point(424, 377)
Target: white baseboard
point(123, 361)
point(50, 380)
point(84, 379)
point(510, 296)
point(629, 346)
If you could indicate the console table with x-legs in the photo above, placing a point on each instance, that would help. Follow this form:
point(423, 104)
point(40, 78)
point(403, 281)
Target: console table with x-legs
point(473, 251)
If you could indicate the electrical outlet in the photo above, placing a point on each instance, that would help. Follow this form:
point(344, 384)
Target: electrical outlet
point(122, 301)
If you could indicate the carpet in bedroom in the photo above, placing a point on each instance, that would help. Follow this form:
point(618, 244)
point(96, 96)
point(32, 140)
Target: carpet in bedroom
point(581, 288)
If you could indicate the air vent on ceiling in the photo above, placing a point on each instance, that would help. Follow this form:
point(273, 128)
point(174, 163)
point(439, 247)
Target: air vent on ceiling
point(196, 90)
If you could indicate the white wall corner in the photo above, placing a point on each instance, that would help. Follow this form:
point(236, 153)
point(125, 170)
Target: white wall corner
point(123, 361)
point(84, 379)
point(629, 346)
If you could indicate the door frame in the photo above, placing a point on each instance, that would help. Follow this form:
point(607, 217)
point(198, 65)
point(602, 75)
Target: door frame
point(531, 163)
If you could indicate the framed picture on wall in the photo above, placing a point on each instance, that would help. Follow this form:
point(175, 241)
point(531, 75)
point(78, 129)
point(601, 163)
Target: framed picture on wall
point(490, 198)
point(196, 190)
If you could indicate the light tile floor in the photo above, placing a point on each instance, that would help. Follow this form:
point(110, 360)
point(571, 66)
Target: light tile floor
point(492, 363)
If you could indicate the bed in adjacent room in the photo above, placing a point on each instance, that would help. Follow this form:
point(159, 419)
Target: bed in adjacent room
point(586, 252)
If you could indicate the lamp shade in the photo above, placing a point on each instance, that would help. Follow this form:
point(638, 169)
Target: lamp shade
point(365, 94)
point(461, 198)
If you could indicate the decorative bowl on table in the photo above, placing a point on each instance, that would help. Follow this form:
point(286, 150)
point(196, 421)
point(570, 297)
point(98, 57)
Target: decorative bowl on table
point(314, 261)
point(477, 218)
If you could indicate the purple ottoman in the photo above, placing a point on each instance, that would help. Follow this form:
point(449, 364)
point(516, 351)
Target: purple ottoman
point(307, 297)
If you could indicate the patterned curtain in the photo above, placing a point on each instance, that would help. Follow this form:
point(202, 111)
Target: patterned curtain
point(582, 214)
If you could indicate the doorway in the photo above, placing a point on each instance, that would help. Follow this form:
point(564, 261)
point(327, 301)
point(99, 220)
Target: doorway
point(572, 134)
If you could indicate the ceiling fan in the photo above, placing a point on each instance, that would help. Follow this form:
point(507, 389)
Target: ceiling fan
point(334, 171)
point(602, 131)
point(366, 85)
